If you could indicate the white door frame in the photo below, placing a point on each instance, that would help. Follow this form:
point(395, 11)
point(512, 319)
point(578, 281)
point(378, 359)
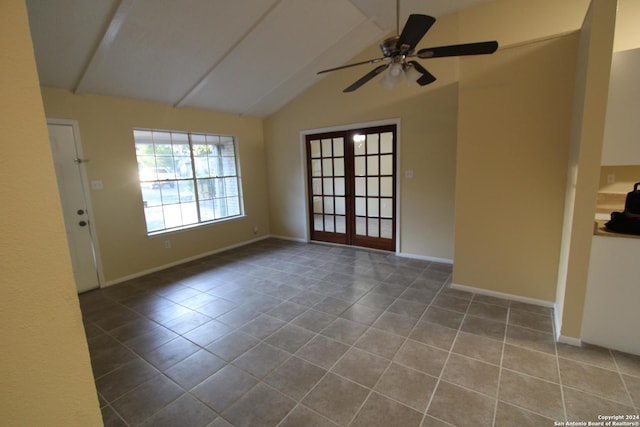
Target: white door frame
point(303, 162)
point(86, 189)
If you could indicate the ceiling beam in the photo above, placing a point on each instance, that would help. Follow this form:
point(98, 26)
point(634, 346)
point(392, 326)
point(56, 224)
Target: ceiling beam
point(196, 88)
point(100, 51)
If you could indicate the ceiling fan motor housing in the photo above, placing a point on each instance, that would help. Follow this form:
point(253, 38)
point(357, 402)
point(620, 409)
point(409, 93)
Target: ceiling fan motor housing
point(389, 46)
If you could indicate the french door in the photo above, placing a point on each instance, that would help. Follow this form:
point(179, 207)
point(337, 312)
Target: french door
point(351, 178)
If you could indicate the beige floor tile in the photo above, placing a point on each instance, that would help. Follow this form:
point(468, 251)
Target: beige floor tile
point(261, 360)
point(633, 385)
point(344, 331)
point(430, 421)
point(488, 311)
point(527, 319)
point(483, 327)
point(378, 411)
point(472, 374)
point(336, 398)
point(407, 386)
point(481, 348)
point(302, 416)
point(627, 363)
point(322, 351)
point(530, 338)
point(434, 335)
point(451, 303)
point(295, 377)
point(587, 353)
point(395, 323)
point(424, 358)
point(290, 338)
point(536, 395)
point(531, 362)
point(586, 407)
point(379, 342)
point(443, 317)
point(361, 367)
point(222, 388)
point(262, 406)
point(461, 407)
point(594, 380)
point(511, 416)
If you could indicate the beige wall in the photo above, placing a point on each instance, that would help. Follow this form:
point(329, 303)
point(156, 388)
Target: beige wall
point(587, 132)
point(514, 120)
point(106, 131)
point(45, 374)
point(427, 141)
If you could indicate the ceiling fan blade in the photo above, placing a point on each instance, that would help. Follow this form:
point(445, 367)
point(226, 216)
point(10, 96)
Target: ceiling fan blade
point(426, 77)
point(413, 31)
point(371, 74)
point(481, 48)
point(370, 61)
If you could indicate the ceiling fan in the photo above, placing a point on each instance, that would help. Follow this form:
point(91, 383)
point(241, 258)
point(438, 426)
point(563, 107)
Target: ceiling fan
point(399, 48)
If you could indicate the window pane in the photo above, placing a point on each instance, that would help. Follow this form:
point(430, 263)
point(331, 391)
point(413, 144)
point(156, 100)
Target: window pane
point(339, 186)
point(317, 205)
point(167, 161)
point(372, 165)
point(358, 145)
point(315, 148)
point(372, 143)
point(386, 164)
point(386, 228)
point(361, 187)
point(372, 186)
point(326, 148)
point(316, 167)
point(338, 167)
point(318, 225)
point(316, 184)
point(327, 167)
point(340, 206)
point(328, 186)
point(386, 187)
point(328, 223)
point(361, 207)
point(386, 208)
point(338, 147)
point(361, 226)
point(373, 228)
point(372, 206)
point(341, 224)
point(328, 205)
point(360, 169)
point(386, 142)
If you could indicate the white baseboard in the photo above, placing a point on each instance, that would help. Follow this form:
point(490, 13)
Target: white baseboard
point(504, 295)
point(292, 239)
point(425, 258)
point(569, 340)
point(182, 261)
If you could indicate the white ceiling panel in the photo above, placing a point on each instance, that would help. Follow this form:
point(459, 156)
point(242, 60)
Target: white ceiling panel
point(163, 47)
point(248, 57)
point(65, 33)
point(271, 54)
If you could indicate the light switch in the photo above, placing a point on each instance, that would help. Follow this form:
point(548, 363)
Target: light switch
point(96, 185)
point(408, 174)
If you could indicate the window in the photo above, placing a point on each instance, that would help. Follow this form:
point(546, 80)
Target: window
point(187, 178)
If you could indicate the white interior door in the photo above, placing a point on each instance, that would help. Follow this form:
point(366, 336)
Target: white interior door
point(71, 186)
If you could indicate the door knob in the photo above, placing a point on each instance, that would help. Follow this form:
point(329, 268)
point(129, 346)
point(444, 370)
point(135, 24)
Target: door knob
point(82, 223)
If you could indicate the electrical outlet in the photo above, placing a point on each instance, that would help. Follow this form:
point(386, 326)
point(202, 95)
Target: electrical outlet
point(611, 178)
point(255, 229)
point(96, 185)
point(167, 244)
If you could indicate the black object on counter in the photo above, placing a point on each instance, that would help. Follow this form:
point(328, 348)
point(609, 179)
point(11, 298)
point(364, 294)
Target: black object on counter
point(627, 222)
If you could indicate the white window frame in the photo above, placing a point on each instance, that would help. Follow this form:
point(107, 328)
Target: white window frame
point(187, 179)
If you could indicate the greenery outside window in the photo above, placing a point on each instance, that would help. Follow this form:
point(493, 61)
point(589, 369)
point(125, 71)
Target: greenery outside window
point(187, 178)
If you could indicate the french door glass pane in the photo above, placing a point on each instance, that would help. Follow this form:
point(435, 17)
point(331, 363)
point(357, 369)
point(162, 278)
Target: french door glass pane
point(386, 208)
point(372, 165)
point(338, 147)
point(316, 167)
point(338, 167)
point(339, 184)
point(386, 228)
point(317, 186)
point(340, 206)
point(358, 147)
point(361, 187)
point(327, 167)
point(317, 205)
point(386, 186)
point(361, 207)
point(372, 186)
point(315, 149)
point(359, 165)
point(327, 188)
point(317, 222)
point(386, 164)
point(341, 224)
point(373, 230)
point(372, 143)
point(361, 226)
point(372, 206)
point(328, 205)
point(326, 148)
point(386, 142)
point(328, 223)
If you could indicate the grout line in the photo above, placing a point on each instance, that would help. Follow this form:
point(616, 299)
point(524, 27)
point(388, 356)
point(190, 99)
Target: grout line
point(504, 344)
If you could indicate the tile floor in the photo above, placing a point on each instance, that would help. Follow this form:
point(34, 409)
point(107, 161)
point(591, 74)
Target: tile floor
point(292, 334)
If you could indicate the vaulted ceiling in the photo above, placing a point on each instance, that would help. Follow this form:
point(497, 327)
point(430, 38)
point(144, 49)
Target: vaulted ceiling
point(248, 57)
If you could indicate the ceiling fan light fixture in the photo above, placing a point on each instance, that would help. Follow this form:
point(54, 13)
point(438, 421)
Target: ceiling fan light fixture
point(411, 74)
point(390, 78)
